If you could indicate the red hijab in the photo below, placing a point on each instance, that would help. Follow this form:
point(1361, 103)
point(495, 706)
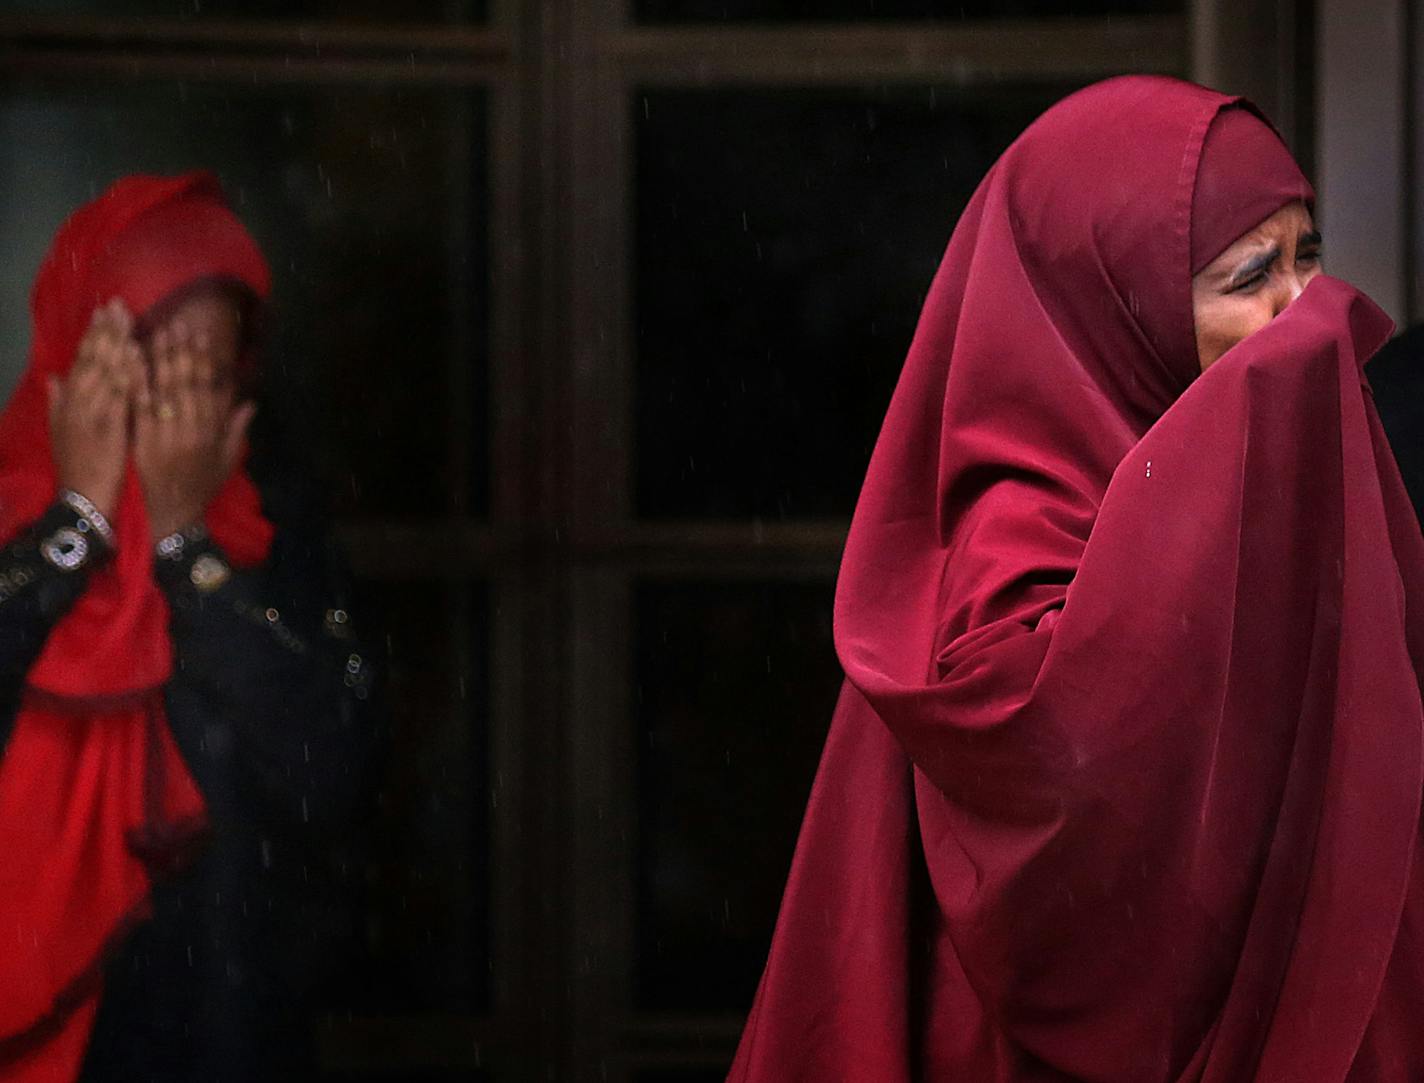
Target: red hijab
point(1125, 780)
point(94, 795)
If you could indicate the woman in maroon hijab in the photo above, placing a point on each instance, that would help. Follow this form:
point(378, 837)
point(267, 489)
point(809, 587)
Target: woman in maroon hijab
point(1125, 780)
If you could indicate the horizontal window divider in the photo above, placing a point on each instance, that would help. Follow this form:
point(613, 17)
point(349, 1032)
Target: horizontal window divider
point(383, 1045)
point(428, 549)
point(454, 548)
point(730, 568)
point(969, 52)
point(681, 1035)
point(702, 538)
point(258, 71)
point(305, 38)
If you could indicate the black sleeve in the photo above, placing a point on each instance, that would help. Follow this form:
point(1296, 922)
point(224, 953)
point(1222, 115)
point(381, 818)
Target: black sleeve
point(42, 573)
point(272, 698)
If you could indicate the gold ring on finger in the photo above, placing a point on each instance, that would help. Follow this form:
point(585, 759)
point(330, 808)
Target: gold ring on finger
point(166, 412)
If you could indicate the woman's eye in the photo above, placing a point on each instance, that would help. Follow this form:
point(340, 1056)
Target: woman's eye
point(1308, 257)
point(1246, 285)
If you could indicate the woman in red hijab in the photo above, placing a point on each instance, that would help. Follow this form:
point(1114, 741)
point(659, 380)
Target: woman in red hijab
point(1124, 784)
point(181, 706)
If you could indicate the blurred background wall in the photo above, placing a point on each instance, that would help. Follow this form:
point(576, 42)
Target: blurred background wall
point(588, 311)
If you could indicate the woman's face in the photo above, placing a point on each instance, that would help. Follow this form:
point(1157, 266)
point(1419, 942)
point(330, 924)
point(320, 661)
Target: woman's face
point(214, 318)
point(1251, 283)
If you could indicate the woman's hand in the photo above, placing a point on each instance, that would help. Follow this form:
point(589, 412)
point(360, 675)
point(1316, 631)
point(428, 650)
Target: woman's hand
point(187, 432)
point(89, 411)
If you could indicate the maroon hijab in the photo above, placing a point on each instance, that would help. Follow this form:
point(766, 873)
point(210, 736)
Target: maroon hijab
point(1125, 780)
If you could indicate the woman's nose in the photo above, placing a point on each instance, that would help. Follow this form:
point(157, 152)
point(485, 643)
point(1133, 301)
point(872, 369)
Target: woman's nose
point(1291, 287)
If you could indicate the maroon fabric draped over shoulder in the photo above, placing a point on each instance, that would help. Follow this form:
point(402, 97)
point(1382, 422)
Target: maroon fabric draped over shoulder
point(1124, 783)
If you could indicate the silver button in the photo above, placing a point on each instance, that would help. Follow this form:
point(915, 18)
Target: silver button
point(66, 549)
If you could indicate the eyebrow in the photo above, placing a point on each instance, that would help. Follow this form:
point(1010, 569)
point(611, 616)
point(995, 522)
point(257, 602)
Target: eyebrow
point(1263, 259)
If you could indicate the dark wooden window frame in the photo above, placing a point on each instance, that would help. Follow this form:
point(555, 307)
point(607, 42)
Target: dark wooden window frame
point(562, 549)
point(608, 61)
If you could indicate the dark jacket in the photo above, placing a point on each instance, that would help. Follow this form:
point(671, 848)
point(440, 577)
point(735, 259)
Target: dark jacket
point(271, 704)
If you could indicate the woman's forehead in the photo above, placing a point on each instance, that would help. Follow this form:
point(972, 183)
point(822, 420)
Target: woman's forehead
point(209, 304)
point(1290, 223)
point(209, 307)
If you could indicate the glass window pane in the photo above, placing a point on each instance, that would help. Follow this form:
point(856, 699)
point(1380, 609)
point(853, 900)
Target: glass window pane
point(424, 930)
point(785, 241)
point(364, 11)
point(674, 11)
point(369, 202)
point(736, 683)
